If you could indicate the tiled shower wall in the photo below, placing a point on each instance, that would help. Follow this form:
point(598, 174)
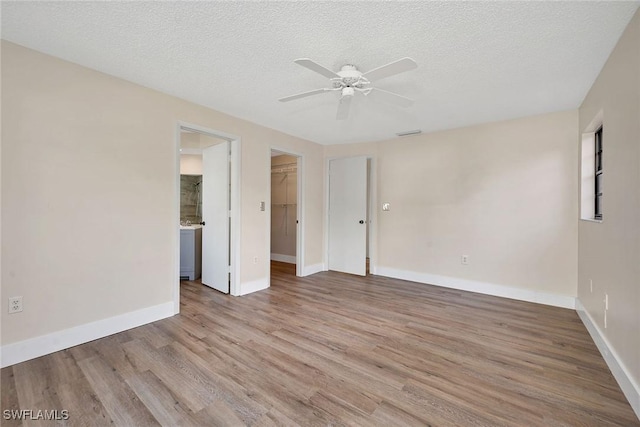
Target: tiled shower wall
point(190, 198)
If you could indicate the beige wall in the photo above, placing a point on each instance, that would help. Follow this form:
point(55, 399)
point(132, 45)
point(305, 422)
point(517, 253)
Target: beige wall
point(190, 164)
point(609, 252)
point(503, 193)
point(190, 140)
point(108, 247)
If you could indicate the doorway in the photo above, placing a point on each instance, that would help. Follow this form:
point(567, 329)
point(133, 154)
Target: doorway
point(214, 158)
point(285, 231)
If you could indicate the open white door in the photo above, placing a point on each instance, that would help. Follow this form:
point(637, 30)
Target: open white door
point(215, 214)
point(348, 215)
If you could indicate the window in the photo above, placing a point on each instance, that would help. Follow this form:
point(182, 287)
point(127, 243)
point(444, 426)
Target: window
point(598, 175)
point(591, 170)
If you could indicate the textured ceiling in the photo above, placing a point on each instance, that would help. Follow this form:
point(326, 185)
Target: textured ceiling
point(477, 61)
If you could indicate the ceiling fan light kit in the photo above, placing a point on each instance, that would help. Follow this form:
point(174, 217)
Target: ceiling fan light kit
point(348, 91)
point(350, 80)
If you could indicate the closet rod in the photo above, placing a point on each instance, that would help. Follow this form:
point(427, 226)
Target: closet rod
point(293, 165)
point(285, 164)
point(284, 170)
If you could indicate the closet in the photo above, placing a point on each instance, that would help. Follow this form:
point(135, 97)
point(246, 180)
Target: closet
point(284, 193)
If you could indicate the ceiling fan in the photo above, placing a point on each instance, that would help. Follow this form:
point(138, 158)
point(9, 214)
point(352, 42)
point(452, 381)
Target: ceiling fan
point(350, 80)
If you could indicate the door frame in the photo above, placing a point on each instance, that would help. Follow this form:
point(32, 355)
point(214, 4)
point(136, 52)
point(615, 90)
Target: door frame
point(372, 221)
point(300, 162)
point(234, 206)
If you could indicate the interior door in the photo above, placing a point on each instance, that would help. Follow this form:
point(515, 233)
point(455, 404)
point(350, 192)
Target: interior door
point(348, 215)
point(215, 214)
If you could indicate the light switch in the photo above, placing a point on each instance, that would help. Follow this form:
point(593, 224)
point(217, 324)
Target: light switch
point(386, 206)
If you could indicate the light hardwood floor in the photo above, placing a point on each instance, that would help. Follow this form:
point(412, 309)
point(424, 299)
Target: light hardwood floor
point(332, 349)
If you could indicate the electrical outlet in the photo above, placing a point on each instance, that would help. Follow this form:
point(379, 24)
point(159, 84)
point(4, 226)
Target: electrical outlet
point(464, 259)
point(15, 305)
point(255, 259)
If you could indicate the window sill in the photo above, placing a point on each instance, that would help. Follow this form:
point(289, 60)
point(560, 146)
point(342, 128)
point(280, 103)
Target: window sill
point(599, 221)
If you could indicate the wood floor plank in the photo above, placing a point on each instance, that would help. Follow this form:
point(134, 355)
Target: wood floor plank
point(343, 382)
point(83, 405)
point(151, 335)
point(274, 418)
point(218, 413)
point(160, 401)
point(332, 349)
point(266, 385)
point(345, 413)
point(194, 395)
point(341, 366)
point(9, 400)
point(75, 392)
point(223, 389)
point(35, 388)
point(120, 402)
point(390, 415)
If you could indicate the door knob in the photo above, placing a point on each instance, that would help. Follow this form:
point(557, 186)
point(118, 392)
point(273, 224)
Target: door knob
point(361, 221)
point(202, 223)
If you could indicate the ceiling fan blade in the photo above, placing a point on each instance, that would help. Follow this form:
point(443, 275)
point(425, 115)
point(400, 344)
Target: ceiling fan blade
point(397, 67)
point(303, 94)
point(314, 66)
point(343, 107)
point(390, 97)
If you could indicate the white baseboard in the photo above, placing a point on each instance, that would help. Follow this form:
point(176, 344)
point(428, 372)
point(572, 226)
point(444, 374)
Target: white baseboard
point(563, 301)
point(308, 270)
point(253, 286)
point(630, 388)
point(22, 351)
point(283, 258)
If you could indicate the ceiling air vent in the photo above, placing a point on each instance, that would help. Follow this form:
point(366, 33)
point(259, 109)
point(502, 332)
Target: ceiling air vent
point(409, 132)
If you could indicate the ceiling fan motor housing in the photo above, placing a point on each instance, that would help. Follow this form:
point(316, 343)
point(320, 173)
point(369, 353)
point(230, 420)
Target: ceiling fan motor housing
point(350, 77)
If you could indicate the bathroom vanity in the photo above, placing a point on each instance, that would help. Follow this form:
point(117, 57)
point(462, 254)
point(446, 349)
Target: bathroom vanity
point(190, 252)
